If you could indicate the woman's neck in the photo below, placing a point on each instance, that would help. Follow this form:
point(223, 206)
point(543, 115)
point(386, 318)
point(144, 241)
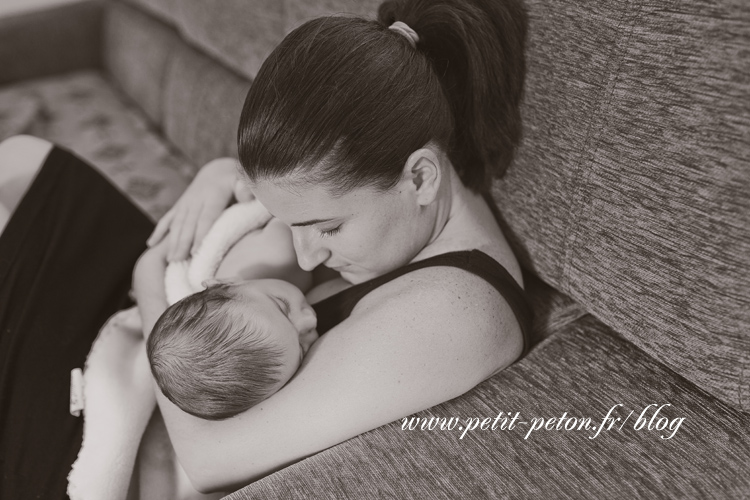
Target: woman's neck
point(464, 221)
point(454, 219)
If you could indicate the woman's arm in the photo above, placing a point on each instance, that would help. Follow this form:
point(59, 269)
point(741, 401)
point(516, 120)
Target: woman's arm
point(417, 341)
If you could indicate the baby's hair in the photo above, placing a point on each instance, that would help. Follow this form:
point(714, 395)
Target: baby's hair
point(344, 101)
point(209, 358)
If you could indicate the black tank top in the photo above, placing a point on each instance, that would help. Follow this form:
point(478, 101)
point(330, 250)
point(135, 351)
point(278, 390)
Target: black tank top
point(336, 308)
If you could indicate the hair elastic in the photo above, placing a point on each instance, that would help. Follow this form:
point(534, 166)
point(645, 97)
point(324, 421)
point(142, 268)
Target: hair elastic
point(404, 29)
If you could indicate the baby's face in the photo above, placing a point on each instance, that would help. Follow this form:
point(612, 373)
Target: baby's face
point(280, 308)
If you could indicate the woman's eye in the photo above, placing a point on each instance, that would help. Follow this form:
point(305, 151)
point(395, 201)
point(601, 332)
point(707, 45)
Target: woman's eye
point(331, 232)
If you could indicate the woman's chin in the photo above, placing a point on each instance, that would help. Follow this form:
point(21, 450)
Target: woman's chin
point(354, 277)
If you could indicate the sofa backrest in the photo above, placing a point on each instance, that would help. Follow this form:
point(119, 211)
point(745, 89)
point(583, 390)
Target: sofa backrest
point(631, 191)
point(189, 63)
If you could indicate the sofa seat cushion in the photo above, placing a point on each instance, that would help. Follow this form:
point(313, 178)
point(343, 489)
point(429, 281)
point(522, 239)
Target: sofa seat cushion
point(584, 370)
point(83, 113)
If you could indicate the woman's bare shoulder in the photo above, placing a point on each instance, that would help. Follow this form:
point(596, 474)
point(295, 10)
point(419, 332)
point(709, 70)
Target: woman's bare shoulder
point(456, 303)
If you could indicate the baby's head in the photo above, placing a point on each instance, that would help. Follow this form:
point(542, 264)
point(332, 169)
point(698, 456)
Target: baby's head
point(221, 351)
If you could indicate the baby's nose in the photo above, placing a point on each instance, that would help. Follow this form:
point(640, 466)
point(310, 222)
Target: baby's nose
point(308, 320)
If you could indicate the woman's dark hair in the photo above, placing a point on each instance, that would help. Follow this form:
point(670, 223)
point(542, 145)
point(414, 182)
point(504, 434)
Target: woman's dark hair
point(345, 101)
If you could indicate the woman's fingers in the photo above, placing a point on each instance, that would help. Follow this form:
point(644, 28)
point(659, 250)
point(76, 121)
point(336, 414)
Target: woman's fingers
point(207, 218)
point(161, 228)
point(187, 235)
point(175, 230)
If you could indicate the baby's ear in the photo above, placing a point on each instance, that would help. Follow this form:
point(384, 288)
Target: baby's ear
point(210, 282)
point(221, 281)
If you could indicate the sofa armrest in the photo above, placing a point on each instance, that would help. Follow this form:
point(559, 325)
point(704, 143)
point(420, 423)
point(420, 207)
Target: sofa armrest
point(50, 41)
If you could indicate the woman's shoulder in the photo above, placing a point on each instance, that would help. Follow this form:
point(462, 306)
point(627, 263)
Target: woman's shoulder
point(458, 299)
point(443, 304)
point(446, 276)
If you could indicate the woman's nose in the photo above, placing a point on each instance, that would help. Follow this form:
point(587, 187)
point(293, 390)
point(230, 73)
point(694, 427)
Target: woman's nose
point(310, 253)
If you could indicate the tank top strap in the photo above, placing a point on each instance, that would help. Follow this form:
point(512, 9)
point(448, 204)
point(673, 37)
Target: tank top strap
point(336, 308)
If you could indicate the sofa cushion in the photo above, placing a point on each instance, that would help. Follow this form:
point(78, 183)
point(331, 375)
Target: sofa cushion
point(583, 370)
point(202, 105)
point(137, 49)
point(81, 112)
point(194, 99)
point(299, 11)
point(48, 41)
point(630, 192)
point(242, 33)
point(166, 10)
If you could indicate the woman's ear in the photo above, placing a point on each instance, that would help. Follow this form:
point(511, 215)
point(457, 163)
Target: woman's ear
point(423, 173)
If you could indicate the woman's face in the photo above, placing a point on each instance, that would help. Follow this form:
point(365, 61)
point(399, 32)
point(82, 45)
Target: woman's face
point(361, 234)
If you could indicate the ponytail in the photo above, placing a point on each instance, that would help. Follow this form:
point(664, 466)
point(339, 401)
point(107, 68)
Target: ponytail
point(476, 47)
point(345, 101)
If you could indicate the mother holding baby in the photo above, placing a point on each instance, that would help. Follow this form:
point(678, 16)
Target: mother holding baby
point(374, 143)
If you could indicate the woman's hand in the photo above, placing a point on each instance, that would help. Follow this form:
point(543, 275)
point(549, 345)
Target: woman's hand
point(189, 220)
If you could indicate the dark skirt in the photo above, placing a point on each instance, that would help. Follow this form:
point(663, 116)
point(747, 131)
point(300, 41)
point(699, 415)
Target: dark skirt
point(66, 261)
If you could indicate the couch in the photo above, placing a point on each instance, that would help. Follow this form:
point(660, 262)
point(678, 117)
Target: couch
point(628, 204)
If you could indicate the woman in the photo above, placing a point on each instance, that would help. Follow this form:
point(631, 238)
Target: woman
point(373, 141)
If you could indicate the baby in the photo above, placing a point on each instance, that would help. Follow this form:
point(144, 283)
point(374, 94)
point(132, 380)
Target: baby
point(221, 351)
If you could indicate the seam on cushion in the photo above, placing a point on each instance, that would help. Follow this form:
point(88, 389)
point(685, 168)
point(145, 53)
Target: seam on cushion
point(686, 383)
point(582, 190)
point(742, 377)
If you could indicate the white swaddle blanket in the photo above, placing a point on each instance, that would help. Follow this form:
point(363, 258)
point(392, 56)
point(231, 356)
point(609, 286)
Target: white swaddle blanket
point(125, 453)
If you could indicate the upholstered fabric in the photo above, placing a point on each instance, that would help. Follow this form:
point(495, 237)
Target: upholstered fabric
point(165, 10)
point(243, 32)
point(240, 34)
point(584, 369)
point(297, 12)
point(202, 106)
point(137, 50)
point(49, 41)
point(630, 192)
point(81, 112)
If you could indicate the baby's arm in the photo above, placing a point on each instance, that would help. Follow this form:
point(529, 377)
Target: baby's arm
point(148, 285)
point(265, 253)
